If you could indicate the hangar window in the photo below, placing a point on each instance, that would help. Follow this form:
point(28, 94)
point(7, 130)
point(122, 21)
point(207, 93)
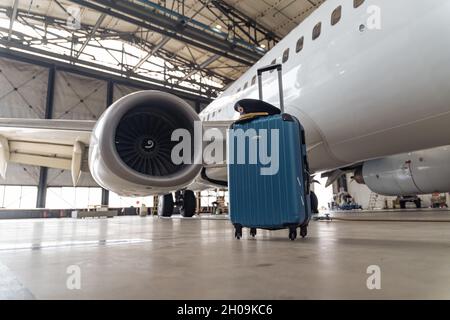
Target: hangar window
point(336, 16)
point(357, 3)
point(253, 80)
point(116, 201)
point(18, 197)
point(69, 198)
point(286, 55)
point(317, 30)
point(300, 43)
point(246, 85)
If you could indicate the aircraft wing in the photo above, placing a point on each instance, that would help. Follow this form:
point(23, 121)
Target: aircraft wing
point(59, 144)
point(63, 144)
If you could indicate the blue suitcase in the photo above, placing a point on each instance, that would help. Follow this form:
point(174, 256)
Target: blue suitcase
point(277, 200)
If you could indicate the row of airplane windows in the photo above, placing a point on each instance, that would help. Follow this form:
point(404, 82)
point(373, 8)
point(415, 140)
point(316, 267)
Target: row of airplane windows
point(317, 30)
point(335, 18)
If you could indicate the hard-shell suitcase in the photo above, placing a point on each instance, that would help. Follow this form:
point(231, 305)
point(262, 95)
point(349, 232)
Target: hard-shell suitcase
point(274, 201)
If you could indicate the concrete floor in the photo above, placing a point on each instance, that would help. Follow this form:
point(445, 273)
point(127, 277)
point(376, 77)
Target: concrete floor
point(151, 258)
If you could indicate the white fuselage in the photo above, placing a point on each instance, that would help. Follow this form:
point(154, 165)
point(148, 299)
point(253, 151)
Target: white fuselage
point(361, 94)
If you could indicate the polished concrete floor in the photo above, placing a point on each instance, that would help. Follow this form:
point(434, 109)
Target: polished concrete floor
point(151, 258)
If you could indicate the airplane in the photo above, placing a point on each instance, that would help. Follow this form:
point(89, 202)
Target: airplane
point(374, 99)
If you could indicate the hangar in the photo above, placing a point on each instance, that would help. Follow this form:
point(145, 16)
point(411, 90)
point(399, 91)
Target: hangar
point(90, 91)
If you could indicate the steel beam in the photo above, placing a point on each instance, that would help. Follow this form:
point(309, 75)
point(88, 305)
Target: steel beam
point(173, 58)
point(91, 34)
point(13, 18)
point(105, 197)
point(200, 67)
point(43, 174)
point(109, 102)
point(161, 44)
point(42, 188)
point(180, 29)
point(87, 69)
point(248, 26)
point(62, 66)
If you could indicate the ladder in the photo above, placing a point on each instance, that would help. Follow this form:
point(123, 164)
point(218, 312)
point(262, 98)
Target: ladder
point(373, 199)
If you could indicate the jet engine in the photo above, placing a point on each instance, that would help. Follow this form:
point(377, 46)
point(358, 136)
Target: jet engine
point(420, 172)
point(131, 145)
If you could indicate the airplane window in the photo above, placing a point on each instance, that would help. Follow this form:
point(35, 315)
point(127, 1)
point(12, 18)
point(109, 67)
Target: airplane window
point(299, 46)
point(239, 90)
point(317, 30)
point(336, 16)
point(357, 3)
point(246, 85)
point(286, 55)
point(253, 80)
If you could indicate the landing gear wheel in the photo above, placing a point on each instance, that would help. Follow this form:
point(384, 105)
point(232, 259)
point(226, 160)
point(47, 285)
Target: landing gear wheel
point(418, 203)
point(304, 231)
point(165, 205)
point(314, 203)
point(189, 205)
point(292, 234)
point(238, 232)
point(253, 232)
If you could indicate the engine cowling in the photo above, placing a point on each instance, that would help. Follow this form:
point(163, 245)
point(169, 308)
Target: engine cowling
point(130, 151)
point(420, 172)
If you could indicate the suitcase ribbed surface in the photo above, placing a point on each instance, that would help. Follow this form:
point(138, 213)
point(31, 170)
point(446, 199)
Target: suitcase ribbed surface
point(272, 201)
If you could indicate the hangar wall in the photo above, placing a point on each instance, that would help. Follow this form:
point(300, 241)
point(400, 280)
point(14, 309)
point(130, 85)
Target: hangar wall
point(25, 92)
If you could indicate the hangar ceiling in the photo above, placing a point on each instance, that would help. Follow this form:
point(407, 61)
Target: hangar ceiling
point(196, 46)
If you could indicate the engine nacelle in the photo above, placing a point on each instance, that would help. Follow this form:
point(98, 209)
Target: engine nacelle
point(130, 151)
point(420, 172)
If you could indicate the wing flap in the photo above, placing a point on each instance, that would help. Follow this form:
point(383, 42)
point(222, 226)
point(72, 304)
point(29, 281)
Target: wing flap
point(42, 161)
point(47, 143)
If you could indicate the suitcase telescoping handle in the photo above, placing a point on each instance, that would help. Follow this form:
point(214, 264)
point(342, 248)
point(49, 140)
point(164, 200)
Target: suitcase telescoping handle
point(279, 69)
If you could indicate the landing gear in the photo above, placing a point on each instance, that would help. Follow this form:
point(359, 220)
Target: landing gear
point(402, 204)
point(165, 205)
point(314, 203)
point(405, 199)
point(253, 232)
point(187, 202)
point(418, 203)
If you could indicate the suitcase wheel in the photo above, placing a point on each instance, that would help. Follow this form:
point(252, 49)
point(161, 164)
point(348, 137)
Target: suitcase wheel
point(304, 231)
point(253, 232)
point(292, 234)
point(238, 232)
